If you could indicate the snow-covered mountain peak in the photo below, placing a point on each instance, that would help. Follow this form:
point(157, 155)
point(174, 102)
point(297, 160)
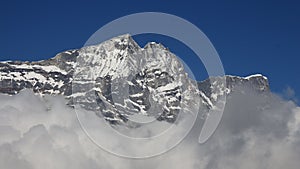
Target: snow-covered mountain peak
point(256, 76)
point(151, 45)
point(129, 79)
point(118, 78)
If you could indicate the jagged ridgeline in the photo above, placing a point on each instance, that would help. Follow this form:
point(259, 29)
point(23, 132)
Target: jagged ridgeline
point(118, 78)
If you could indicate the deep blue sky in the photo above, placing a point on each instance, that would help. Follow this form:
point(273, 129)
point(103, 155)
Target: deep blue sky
point(250, 36)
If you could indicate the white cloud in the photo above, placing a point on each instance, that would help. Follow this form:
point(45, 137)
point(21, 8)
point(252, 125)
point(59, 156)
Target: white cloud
point(289, 93)
point(255, 132)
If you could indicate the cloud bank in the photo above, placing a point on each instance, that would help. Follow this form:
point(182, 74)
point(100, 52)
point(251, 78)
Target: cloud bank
point(257, 131)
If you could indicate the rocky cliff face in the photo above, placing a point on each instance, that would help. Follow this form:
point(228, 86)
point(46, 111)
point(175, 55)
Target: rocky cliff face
point(118, 78)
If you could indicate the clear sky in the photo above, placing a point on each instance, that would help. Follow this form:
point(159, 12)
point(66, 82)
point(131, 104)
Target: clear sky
point(250, 36)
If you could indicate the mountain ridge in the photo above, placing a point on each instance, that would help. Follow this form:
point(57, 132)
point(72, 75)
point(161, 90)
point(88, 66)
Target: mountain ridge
point(152, 74)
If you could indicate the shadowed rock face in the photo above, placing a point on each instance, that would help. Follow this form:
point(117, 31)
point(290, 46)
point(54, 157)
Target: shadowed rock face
point(118, 78)
point(213, 87)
